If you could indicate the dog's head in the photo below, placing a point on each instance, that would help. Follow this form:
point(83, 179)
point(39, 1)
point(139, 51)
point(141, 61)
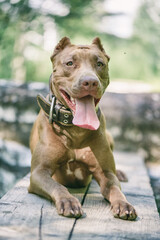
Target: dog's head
point(79, 79)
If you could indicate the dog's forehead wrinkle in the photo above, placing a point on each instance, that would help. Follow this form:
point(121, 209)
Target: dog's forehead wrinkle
point(84, 56)
point(82, 53)
point(83, 47)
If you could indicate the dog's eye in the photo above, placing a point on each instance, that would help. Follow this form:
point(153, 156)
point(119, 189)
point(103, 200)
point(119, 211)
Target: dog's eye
point(100, 64)
point(70, 63)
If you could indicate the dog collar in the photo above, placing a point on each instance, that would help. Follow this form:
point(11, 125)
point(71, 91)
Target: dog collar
point(56, 111)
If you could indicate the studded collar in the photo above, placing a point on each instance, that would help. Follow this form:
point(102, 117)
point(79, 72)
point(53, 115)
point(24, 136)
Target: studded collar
point(55, 111)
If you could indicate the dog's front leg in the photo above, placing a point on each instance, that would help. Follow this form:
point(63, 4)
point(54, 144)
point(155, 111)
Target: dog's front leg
point(44, 164)
point(105, 175)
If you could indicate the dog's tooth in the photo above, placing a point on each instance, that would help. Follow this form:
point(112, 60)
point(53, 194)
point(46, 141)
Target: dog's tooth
point(73, 100)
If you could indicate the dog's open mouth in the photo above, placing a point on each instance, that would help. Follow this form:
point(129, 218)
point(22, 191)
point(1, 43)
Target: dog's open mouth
point(84, 110)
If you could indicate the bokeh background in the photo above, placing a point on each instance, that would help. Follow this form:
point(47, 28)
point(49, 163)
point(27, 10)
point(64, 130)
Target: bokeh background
point(29, 30)
point(130, 33)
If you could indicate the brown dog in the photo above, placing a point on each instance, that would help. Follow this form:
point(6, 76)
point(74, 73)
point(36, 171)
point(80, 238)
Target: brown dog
point(68, 142)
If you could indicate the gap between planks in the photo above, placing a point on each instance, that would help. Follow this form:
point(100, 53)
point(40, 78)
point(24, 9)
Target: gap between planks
point(75, 221)
point(27, 216)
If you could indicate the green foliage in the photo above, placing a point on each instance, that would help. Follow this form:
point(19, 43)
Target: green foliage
point(147, 35)
point(134, 58)
point(38, 71)
point(79, 21)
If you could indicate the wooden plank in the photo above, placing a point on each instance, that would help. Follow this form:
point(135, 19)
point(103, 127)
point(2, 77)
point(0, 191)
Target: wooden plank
point(28, 216)
point(100, 224)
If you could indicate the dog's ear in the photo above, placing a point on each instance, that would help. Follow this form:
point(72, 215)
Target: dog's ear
point(96, 41)
point(60, 46)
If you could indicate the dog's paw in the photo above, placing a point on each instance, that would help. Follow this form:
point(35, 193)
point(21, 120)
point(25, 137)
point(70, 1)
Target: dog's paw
point(69, 207)
point(124, 210)
point(121, 176)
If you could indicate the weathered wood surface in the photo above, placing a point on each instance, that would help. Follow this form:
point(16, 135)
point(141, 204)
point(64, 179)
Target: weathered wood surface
point(26, 216)
point(100, 223)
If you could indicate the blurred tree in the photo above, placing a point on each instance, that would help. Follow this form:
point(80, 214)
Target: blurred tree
point(17, 17)
point(80, 21)
point(147, 35)
point(138, 56)
point(24, 23)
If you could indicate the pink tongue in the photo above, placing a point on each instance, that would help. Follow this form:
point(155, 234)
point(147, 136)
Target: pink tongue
point(85, 115)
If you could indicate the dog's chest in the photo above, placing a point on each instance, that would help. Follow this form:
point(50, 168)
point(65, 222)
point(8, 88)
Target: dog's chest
point(73, 169)
point(72, 137)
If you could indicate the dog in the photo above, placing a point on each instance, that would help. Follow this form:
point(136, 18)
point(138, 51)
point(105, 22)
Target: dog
point(69, 142)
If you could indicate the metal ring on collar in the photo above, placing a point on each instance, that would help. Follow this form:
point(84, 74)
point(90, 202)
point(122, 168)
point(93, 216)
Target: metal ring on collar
point(65, 121)
point(51, 110)
point(66, 115)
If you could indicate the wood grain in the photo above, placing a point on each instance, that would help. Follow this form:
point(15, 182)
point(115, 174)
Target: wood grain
point(26, 216)
point(100, 224)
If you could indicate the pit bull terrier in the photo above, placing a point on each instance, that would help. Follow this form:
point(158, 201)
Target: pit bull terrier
point(69, 142)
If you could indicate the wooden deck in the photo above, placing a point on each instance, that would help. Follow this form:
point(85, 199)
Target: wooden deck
point(25, 216)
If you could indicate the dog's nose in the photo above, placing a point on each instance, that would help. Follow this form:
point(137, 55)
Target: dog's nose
point(89, 82)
